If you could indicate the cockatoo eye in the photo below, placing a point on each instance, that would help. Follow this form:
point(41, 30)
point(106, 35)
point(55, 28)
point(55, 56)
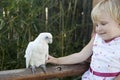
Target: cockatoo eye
point(46, 37)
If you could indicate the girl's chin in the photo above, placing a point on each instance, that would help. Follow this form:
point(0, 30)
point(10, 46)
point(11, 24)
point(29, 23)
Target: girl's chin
point(108, 40)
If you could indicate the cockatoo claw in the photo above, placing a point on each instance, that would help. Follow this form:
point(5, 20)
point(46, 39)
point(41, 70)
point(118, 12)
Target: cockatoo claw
point(33, 69)
point(43, 67)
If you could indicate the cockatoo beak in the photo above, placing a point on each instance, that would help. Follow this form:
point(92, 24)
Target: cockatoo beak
point(43, 67)
point(50, 41)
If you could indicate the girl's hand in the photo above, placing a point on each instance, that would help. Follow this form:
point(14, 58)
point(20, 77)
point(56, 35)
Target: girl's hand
point(118, 77)
point(52, 60)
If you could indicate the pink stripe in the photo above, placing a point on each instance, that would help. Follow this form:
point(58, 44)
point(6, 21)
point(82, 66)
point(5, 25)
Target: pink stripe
point(104, 74)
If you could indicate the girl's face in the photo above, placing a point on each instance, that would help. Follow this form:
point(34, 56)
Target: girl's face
point(106, 27)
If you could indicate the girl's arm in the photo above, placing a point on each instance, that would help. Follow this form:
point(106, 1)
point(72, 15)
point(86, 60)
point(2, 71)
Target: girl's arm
point(81, 56)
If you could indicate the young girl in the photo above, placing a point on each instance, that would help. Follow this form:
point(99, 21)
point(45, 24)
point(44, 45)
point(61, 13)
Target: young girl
point(104, 46)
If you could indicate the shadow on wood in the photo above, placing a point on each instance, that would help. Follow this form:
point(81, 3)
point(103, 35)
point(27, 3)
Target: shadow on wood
point(58, 71)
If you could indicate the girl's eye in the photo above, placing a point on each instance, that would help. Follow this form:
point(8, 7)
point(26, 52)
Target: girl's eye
point(103, 23)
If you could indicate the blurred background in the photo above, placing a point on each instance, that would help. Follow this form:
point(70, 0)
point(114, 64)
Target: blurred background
point(21, 21)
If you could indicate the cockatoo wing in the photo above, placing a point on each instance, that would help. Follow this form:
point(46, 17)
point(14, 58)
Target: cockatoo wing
point(42, 52)
point(28, 53)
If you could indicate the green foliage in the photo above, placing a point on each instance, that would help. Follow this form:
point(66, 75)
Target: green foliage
point(21, 21)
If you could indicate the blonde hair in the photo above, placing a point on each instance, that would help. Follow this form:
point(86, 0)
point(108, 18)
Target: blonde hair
point(112, 7)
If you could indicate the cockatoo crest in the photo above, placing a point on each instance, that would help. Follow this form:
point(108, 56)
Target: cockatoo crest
point(47, 37)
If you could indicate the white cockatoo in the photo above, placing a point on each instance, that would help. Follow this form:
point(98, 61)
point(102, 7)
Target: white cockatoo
point(37, 51)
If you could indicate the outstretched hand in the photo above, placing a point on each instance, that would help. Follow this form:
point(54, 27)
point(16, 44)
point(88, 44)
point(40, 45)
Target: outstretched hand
point(52, 60)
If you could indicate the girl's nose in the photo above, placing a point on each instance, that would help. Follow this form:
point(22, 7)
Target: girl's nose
point(98, 28)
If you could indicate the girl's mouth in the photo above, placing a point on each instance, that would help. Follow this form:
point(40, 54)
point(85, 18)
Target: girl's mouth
point(102, 33)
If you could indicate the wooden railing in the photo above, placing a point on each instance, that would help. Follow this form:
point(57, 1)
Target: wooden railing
point(54, 71)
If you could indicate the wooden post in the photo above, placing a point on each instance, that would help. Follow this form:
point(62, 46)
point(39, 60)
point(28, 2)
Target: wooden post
point(58, 71)
point(95, 2)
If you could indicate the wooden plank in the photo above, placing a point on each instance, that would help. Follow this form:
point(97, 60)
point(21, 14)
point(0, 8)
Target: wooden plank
point(58, 71)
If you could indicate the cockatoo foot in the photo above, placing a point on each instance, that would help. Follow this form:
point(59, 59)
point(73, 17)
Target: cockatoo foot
point(43, 67)
point(33, 69)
